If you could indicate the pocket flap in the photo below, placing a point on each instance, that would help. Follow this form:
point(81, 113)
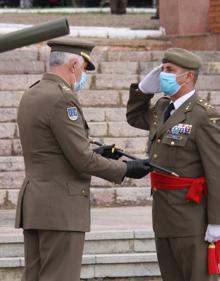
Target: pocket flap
point(180, 141)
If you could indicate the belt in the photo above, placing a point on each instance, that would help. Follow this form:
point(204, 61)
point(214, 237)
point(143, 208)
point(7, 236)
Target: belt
point(196, 186)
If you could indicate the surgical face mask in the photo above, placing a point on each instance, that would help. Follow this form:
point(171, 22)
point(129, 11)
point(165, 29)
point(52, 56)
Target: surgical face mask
point(168, 83)
point(78, 85)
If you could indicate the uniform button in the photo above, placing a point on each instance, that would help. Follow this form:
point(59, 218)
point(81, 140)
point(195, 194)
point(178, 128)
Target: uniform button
point(83, 192)
point(155, 123)
point(159, 141)
point(155, 156)
point(154, 189)
point(172, 142)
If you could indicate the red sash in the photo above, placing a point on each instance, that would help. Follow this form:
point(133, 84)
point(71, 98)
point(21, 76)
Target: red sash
point(196, 186)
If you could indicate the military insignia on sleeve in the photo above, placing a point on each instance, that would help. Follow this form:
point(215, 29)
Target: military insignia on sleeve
point(72, 113)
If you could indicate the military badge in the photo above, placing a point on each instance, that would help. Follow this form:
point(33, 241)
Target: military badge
point(180, 129)
point(72, 113)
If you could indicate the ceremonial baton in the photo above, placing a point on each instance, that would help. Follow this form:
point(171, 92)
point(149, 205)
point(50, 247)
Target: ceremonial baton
point(156, 167)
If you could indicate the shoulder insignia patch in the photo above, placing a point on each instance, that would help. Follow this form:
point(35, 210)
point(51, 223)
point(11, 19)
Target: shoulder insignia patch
point(72, 113)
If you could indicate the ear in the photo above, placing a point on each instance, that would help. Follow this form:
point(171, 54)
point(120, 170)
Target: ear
point(189, 77)
point(72, 65)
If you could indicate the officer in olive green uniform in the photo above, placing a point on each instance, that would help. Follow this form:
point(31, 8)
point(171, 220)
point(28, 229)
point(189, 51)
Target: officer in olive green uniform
point(118, 6)
point(54, 201)
point(185, 140)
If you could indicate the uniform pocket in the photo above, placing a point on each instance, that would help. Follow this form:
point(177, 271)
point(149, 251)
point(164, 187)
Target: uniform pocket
point(175, 142)
point(74, 190)
point(172, 147)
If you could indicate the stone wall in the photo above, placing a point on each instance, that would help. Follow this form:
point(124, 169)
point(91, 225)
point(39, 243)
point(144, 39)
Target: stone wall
point(214, 16)
point(104, 103)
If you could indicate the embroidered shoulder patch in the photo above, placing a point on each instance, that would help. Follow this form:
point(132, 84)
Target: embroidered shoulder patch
point(72, 113)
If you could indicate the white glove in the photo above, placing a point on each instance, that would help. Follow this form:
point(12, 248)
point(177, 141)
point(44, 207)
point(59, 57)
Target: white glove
point(151, 82)
point(212, 233)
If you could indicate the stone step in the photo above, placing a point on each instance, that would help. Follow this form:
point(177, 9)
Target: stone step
point(131, 145)
point(13, 180)
point(102, 105)
point(97, 266)
point(100, 197)
point(128, 67)
point(102, 242)
point(131, 253)
point(9, 130)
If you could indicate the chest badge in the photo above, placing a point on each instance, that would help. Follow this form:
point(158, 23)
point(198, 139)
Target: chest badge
point(179, 129)
point(72, 113)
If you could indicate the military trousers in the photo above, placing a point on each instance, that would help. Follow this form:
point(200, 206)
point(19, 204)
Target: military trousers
point(118, 6)
point(52, 255)
point(183, 259)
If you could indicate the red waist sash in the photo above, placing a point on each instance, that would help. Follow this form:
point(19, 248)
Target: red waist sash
point(196, 186)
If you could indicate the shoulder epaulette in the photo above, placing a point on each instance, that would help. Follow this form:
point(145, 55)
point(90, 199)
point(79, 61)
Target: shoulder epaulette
point(205, 104)
point(34, 84)
point(64, 88)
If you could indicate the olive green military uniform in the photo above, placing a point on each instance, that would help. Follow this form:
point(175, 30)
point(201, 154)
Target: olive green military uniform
point(118, 6)
point(54, 201)
point(180, 225)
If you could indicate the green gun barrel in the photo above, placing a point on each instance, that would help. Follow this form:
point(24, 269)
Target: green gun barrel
point(34, 34)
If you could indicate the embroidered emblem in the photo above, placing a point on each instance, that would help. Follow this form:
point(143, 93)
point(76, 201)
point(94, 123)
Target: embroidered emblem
point(72, 113)
point(180, 129)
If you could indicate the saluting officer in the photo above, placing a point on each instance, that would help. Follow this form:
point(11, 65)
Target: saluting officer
point(54, 204)
point(184, 136)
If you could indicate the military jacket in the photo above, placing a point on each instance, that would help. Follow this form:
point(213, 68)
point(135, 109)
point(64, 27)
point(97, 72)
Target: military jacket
point(188, 143)
point(58, 160)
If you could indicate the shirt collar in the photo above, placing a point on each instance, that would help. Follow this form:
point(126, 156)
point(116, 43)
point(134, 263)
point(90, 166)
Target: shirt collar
point(182, 99)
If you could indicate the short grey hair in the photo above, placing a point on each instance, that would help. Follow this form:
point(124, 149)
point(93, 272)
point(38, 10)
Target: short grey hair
point(61, 58)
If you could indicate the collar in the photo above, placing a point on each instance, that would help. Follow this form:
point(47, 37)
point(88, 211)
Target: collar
point(181, 100)
point(55, 78)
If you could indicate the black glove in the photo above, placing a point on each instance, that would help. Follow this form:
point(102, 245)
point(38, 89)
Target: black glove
point(108, 151)
point(137, 169)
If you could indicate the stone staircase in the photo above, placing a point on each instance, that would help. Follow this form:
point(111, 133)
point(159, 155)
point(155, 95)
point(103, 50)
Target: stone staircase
point(113, 254)
point(104, 103)
point(109, 255)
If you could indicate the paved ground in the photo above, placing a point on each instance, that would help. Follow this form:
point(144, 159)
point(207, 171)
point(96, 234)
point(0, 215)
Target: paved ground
point(136, 21)
point(103, 219)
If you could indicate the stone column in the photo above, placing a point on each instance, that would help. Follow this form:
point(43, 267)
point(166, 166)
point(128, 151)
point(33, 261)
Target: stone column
point(182, 17)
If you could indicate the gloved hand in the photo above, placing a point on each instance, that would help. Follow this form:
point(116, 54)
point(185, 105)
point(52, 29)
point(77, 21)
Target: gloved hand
point(151, 82)
point(108, 151)
point(212, 233)
point(137, 169)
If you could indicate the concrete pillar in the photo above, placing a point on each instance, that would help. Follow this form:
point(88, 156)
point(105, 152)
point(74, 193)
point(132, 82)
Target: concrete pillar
point(182, 17)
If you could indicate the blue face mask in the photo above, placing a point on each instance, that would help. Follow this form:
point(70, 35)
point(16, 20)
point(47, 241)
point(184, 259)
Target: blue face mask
point(168, 83)
point(78, 85)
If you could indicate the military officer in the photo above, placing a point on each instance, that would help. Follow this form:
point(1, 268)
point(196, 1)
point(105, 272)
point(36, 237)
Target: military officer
point(184, 136)
point(53, 206)
point(118, 6)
